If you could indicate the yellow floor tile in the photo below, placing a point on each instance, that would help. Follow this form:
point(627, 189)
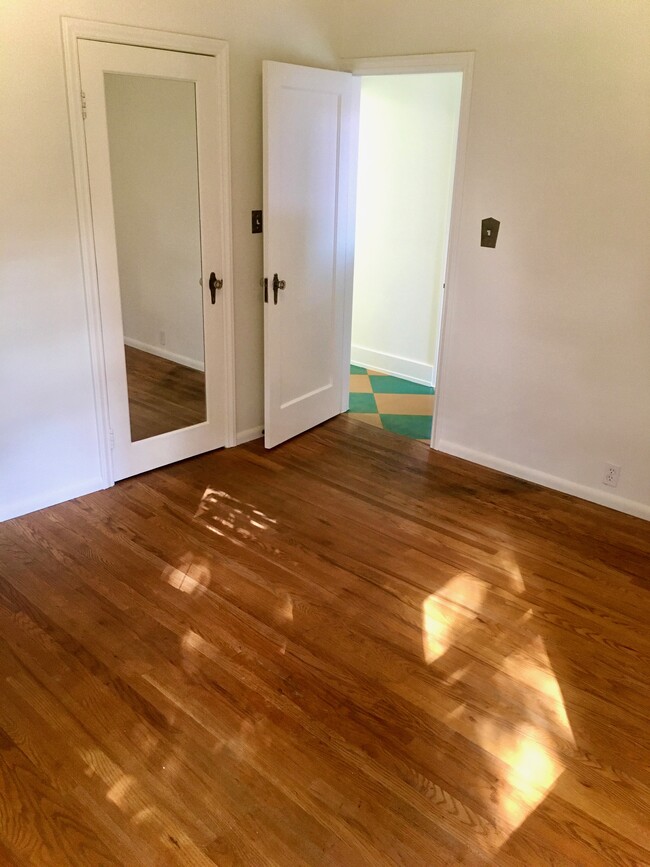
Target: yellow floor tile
point(360, 384)
point(376, 372)
point(405, 404)
point(367, 417)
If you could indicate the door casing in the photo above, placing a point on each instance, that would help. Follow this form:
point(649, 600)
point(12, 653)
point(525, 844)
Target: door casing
point(73, 30)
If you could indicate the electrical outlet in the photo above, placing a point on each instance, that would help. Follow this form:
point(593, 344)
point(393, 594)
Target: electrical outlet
point(163, 338)
point(612, 473)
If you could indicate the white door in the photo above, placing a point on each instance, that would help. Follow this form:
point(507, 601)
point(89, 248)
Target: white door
point(310, 142)
point(159, 209)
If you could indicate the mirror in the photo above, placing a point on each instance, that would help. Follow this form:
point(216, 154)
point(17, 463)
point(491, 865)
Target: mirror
point(154, 176)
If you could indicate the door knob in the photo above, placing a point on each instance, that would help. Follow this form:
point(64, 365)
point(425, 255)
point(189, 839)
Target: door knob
point(277, 284)
point(214, 284)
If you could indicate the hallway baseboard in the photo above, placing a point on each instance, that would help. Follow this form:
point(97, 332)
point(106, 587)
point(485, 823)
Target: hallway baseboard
point(404, 368)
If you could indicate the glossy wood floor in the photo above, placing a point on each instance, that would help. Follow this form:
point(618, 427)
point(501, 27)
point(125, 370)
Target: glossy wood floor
point(347, 651)
point(163, 395)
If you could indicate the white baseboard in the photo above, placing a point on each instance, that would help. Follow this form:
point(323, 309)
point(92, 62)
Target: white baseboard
point(53, 498)
point(413, 371)
point(162, 352)
point(557, 483)
point(252, 433)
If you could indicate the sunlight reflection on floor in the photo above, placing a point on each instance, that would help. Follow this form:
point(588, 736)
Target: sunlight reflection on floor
point(227, 516)
point(531, 730)
point(192, 575)
point(449, 610)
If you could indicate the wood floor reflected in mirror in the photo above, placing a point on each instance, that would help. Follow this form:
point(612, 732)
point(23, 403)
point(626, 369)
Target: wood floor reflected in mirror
point(163, 395)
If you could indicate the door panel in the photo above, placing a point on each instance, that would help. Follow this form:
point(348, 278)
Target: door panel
point(157, 205)
point(308, 152)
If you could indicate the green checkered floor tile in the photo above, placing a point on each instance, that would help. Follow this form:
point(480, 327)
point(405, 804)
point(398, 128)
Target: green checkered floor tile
point(360, 402)
point(416, 427)
point(397, 405)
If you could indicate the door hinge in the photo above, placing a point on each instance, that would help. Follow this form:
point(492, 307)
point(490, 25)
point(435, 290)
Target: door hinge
point(83, 105)
point(111, 439)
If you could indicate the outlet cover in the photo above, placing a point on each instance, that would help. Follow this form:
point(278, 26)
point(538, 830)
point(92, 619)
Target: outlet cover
point(612, 475)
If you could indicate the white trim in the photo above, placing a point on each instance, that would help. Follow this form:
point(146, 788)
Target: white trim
point(102, 31)
point(394, 365)
point(350, 237)
point(556, 483)
point(253, 433)
point(223, 64)
point(86, 239)
point(73, 30)
point(463, 62)
point(162, 352)
point(457, 61)
point(43, 501)
point(451, 268)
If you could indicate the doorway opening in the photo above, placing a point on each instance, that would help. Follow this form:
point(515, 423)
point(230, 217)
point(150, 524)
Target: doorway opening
point(408, 138)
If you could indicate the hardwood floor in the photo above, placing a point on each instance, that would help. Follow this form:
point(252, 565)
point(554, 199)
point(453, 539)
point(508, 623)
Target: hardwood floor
point(163, 395)
point(347, 651)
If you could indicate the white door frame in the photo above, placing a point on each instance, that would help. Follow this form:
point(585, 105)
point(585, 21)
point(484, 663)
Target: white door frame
point(409, 64)
point(74, 29)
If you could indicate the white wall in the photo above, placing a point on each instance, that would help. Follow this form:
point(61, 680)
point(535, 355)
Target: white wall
point(548, 362)
point(154, 175)
point(547, 365)
point(407, 147)
point(48, 441)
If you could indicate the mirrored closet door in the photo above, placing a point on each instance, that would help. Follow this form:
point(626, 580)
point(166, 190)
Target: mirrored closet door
point(151, 126)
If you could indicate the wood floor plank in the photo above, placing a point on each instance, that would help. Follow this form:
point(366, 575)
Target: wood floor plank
point(46, 829)
point(348, 650)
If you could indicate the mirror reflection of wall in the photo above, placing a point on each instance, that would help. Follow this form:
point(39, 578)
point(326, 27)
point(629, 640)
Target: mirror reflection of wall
point(154, 173)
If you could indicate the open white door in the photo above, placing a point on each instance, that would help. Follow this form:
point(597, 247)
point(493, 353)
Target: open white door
point(310, 131)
